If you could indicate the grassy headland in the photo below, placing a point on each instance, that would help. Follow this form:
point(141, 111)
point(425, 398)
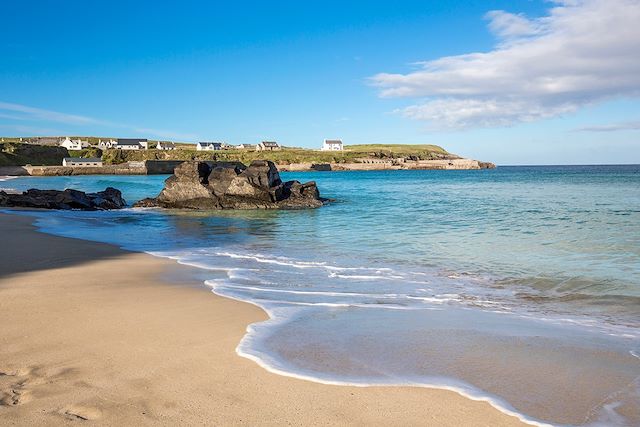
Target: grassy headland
point(19, 154)
point(351, 154)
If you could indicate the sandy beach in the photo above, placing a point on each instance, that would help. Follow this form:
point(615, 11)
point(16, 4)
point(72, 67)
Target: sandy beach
point(96, 334)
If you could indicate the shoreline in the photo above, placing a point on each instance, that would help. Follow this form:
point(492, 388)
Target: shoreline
point(164, 167)
point(51, 361)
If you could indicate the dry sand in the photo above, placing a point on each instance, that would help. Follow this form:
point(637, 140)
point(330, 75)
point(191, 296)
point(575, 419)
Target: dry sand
point(93, 334)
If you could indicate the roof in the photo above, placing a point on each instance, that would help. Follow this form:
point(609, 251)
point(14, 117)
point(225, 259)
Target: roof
point(333, 141)
point(210, 143)
point(82, 159)
point(269, 144)
point(130, 141)
point(166, 143)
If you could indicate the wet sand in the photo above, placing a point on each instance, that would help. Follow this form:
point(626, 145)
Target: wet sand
point(96, 334)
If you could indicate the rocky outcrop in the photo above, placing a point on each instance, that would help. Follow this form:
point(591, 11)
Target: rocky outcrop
point(222, 185)
point(486, 165)
point(67, 199)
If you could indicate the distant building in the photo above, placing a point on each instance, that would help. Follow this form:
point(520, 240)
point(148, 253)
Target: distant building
point(132, 144)
point(106, 143)
point(166, 145)
point(74, 144)
point(332, 145)
point(246, 147)
point(125, 144)
point(268, 146)
point(82, 162)
point(209, 146)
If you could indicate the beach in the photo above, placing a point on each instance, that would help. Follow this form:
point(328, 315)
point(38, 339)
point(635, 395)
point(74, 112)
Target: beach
point(92, 332)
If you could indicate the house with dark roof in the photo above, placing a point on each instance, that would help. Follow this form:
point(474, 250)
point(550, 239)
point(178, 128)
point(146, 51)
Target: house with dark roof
point(268, 146)
point(131, 144)
point(209, 146)
point(124, 144)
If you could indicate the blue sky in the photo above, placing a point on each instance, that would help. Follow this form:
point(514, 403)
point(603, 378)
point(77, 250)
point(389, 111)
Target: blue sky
point(299, 72)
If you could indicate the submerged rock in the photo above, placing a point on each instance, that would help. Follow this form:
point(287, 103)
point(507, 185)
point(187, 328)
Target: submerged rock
point(67, 199)
point(221, 185)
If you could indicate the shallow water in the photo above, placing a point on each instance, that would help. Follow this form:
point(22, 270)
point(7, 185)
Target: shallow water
point(520, 284)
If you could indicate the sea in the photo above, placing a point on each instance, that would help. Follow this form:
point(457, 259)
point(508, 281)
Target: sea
point(519, 285)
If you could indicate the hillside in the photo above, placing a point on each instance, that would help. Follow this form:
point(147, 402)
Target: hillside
point(18, 154)
point(352, 154)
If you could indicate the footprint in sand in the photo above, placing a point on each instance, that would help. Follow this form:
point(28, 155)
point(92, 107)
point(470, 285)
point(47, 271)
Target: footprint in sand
point(81, 412)
point(14, 383)
point(16, 392)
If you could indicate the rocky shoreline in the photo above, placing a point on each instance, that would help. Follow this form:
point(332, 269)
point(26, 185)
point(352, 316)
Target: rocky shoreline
point(68, 199)
point(391, 164)
point(160, 167)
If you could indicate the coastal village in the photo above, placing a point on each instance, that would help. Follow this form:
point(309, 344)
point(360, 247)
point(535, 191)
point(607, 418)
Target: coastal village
point(75, 144)
point(78, 144)
point(72, 155)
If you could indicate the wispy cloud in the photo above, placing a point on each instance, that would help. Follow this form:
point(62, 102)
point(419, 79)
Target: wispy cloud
point(31, 130)
point(22, 113)
point(583, 52)
point(612, 127)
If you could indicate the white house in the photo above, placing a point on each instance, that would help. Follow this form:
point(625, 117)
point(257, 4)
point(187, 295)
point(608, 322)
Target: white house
point(166, 145)
point(125, 144)
point(246, 147)
point(332, 145)
point(74, 144)
point(107, 143)
point(131, 144)
point(268, 146)
point(81, 162)
point(209, 146)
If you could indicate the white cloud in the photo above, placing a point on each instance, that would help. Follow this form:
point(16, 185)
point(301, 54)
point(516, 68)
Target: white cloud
point(23, 112)
point(583, 52)
point(19, 112)
point(508, 25)
point(30, 130)
point(613, 127)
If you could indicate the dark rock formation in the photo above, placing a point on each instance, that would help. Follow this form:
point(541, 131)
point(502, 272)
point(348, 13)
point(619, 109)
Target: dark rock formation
point(67, 199)
point(219, 185)
point(486, 165)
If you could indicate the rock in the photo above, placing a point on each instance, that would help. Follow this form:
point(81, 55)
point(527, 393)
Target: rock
point(219, 185)
point(108, 199)
point(67, 199)
point(486, 165)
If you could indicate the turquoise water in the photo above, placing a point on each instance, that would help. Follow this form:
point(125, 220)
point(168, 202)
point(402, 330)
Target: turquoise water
point(520, 285)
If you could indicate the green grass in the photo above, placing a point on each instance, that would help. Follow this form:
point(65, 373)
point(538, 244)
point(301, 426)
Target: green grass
point(19, 154)
point(86, 153)
point(352, 154)
point(405, 149)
